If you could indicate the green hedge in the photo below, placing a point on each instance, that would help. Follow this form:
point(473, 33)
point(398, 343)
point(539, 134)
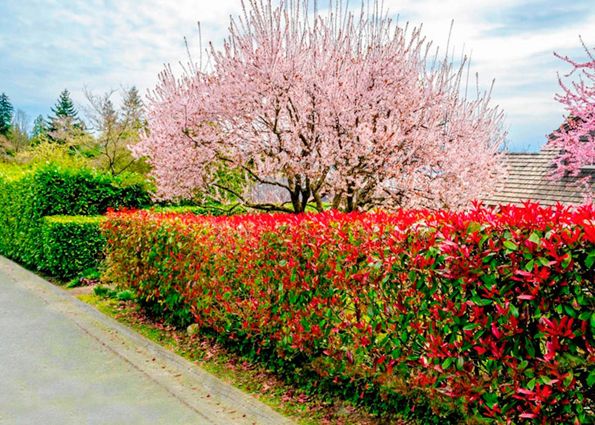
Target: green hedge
point(209, 208)
point(28, 195)
point(71, 244)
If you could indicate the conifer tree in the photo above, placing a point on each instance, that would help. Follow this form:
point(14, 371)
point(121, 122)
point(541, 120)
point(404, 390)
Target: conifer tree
point(133, 109)
point(6, 114)
point(64, 111)
point(64, 107)
point(39, 127)
point(39, 133)
point(64, 123)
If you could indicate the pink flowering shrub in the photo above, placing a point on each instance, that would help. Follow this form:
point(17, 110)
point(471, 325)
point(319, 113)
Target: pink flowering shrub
point(576, 138)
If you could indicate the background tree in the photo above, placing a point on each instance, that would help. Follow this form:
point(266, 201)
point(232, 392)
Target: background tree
point(341, 106)
point(16, 136)
point(64, 108)
point(64, 125)
point(576, 138)
point(117, 130)
point(39, 131)
point(19, 134)
point(133, 110)
point(6, 114)
point(66, 128)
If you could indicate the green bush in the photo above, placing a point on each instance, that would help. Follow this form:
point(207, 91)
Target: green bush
point(29, 194)
point(71, 244)
point(207, 208)
point(82, 191)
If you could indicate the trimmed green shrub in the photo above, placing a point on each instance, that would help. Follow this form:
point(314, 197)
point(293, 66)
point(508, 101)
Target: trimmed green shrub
point(71, 244)
point(209, 208)
point(18, 217)
point(81, 191)
point(28, 195)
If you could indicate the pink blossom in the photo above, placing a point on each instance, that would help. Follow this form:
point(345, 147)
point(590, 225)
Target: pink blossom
point(340, 106)
point(576, 138)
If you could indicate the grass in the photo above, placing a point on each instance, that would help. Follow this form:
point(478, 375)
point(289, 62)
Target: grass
point(233, 369)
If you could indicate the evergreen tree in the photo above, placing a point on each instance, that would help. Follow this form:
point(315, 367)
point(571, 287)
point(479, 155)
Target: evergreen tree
point(6, 114)
point(65, 123)
point(133, 109)
point(40, 130)
point(64, 107)
point(39, 127)
point(64, 112)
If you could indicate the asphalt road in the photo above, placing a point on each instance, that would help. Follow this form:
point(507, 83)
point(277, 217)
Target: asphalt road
point(62, 362)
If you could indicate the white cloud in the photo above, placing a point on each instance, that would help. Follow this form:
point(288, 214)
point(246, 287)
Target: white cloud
point(521, 60)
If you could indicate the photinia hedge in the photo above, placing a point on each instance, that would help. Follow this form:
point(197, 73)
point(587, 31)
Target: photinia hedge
point(441, 316)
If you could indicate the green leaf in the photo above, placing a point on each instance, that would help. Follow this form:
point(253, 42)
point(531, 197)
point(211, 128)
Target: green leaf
point(591, 378)
point(544, 261)
point(510, 245)
point(569, 310)
point(590, 260)
point(490, 399)
point(474, 227)
point(446, 363)
point(568, 379)
point(480, 301)
point(530, 347)
point(460, 363)
point(535, 238)
point(470, 326)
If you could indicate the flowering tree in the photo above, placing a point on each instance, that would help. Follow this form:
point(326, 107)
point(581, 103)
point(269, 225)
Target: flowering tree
point(338, 106)
point(576, 138)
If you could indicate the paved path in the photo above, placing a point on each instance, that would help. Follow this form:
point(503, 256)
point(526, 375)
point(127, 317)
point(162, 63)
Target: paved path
point(62, 362)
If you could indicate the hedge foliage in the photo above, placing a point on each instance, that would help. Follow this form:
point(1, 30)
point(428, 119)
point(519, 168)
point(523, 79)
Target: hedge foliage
point(71, 244)
point(207, 209)
point(29, 195)
point(447, 317)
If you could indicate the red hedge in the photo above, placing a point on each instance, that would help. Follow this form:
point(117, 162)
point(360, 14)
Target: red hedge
point(437, 314)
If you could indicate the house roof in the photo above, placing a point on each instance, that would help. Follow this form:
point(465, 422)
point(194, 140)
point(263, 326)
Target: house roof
point(528, 179)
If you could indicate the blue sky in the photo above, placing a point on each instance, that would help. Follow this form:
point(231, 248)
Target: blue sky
point(49, 45)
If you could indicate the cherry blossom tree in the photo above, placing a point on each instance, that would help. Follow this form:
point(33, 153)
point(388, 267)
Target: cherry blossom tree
point(324, 105)
point(576, 138)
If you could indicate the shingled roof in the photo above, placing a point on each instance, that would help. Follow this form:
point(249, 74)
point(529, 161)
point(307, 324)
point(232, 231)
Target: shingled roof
point(528, 179)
